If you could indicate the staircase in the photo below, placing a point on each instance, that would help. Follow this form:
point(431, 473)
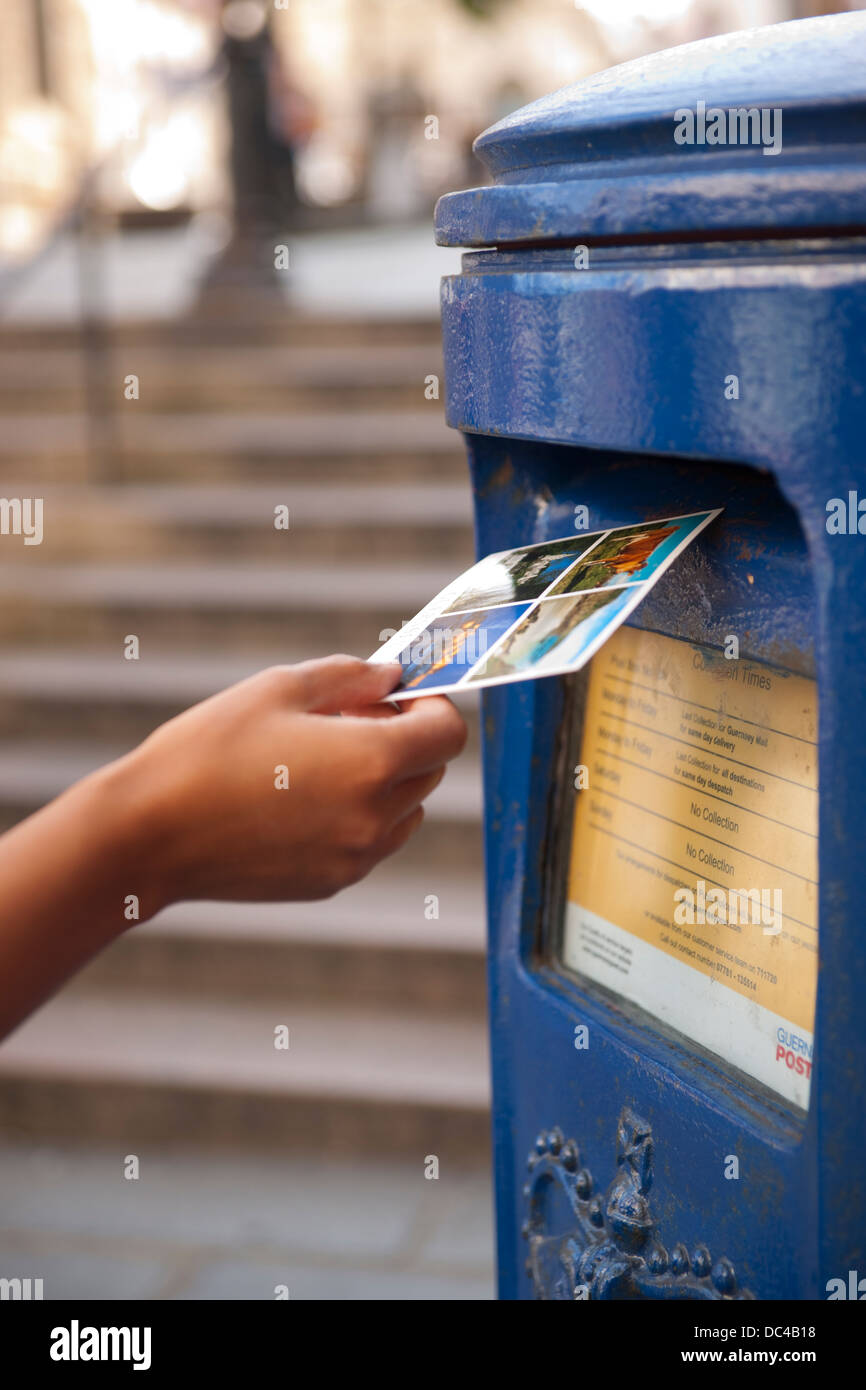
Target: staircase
point(166, 531)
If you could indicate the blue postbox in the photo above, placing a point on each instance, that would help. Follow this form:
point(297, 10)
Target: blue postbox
point(664, 311)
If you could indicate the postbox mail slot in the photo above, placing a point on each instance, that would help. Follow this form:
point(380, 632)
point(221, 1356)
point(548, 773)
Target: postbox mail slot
point(643, 330)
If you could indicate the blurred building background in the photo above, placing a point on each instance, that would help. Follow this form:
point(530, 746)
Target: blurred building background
point(219, 294)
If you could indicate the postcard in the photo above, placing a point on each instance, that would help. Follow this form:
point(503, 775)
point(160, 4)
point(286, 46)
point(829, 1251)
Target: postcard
point(538, 610)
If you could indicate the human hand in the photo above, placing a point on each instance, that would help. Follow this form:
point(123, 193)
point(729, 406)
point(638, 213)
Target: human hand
point(216, 818)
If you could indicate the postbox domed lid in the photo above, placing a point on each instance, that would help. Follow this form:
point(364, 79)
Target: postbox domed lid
point(753, 132)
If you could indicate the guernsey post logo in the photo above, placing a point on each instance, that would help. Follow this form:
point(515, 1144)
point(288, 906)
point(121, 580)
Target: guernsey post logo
point(794, 1051)
point(739, 125)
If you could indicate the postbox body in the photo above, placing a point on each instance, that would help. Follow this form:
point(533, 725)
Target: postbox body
point(654, 326)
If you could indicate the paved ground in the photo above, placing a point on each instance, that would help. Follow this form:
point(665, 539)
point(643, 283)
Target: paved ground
point(200, 1225)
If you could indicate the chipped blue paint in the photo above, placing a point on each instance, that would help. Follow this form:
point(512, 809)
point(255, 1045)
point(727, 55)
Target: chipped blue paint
point(605, 387)
point(599, 159)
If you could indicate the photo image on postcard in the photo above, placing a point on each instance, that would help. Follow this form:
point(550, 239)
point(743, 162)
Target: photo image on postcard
point(448, 647)
point(554, 634)
point(573, 592)
point(626, 556)
point(519, 575)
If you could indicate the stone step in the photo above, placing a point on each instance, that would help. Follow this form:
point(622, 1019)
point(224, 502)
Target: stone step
point(146, 1067)
point(170, 1032)
point(141, 445)
point(369, 521)
point(372, 946)
point(177, 1041)
point(386, 911)
point(95, 696)
point(206, 377)
point(214, 607)
point(280, 330)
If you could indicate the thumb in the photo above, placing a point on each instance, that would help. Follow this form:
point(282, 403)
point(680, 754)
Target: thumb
point(341, 682)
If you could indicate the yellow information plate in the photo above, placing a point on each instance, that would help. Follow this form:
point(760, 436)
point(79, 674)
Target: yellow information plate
point(693, 882)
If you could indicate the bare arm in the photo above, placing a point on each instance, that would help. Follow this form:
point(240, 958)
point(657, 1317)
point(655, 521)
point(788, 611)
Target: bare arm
point(201, 810)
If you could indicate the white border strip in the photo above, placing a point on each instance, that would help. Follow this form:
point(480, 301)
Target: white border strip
point(734, 1027)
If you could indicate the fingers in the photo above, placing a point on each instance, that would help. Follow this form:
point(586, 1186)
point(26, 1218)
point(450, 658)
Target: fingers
point(430, 732)
point(399, 834)
point(407, 796)
point(383, 710)
point(340, 682)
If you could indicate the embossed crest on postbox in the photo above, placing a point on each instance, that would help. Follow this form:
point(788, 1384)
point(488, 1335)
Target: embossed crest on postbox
point(591, 1243)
